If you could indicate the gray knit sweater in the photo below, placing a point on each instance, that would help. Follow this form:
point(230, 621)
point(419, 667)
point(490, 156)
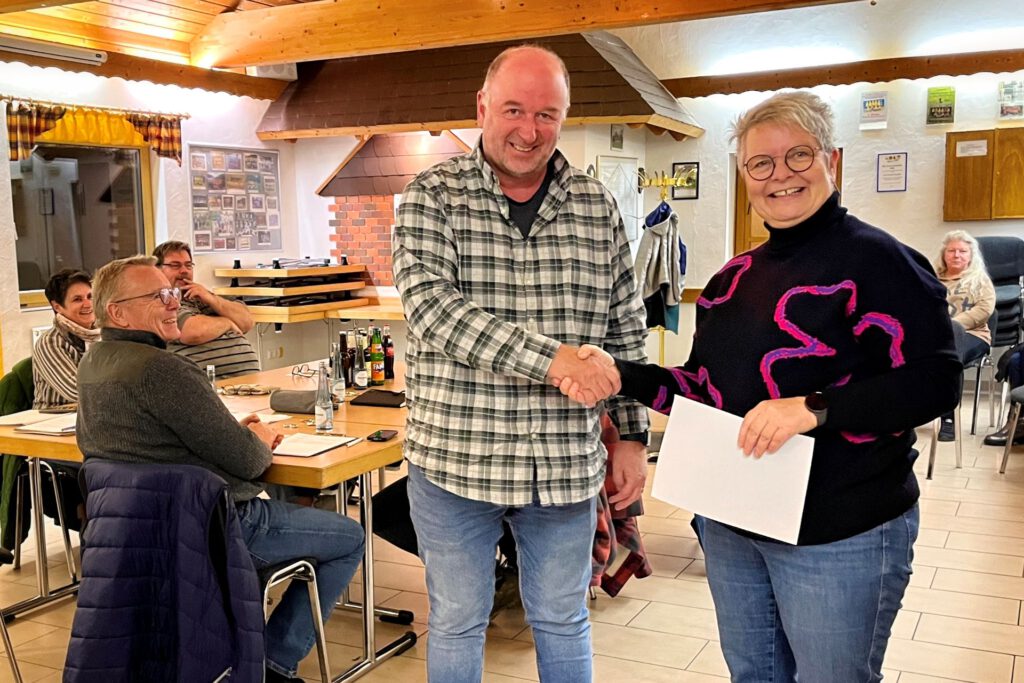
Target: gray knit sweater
point(138, 402)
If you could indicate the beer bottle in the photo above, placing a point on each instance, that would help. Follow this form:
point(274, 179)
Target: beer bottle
point(389, 354)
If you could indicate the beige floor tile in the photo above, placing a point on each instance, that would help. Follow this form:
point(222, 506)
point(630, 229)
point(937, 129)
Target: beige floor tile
point(511, 625)
point(945, 661)
point(23, 630)
point(939, 507)
point(675, 546)
point(935, 538)
point(417, 603)
point(978, 635)
point(986, 544)
point(404, 669)
point(60, 613)
point(614, 669)
point(513, 658)
point(922, 576)
point(656, 508)
point(967, 495)
point(401, 577)
point(994, 483)
point(671, 591)
point(678, 620)
point(666, 526)
point(905, 624)
point(710, 661)
point(972, 525)
point(385, 552)
point(48, 650)
point(979, 584)
point(651, 647)
point(1008, 565)
point(618, 610)
point(668, 566)
point(1001, 512)
point(1018, 670)
point(963, 605)
point(340, 657)
point(695, 571)
point(907, 677)
point(30, 673)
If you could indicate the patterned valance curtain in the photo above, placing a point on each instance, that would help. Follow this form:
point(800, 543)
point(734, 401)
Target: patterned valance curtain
point(161, 132)
point(25, 122)
point(29, 123)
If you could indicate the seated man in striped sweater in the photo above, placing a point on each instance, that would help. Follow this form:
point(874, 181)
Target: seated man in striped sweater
point(212, 328)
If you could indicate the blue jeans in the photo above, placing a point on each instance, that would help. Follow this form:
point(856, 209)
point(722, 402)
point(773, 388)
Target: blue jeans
point(823, 611)
point(277, 532)
point(457, 538)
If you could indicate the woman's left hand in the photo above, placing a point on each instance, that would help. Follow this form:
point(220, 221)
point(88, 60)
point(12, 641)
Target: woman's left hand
point(770, 424)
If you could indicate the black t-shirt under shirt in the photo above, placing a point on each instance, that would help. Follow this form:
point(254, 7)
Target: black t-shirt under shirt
point(524, 213)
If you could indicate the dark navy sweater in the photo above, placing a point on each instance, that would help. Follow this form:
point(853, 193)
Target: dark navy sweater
point(837, 306)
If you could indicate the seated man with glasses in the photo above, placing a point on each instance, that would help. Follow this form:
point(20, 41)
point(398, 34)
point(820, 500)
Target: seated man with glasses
point(212, 328)
point(131, 393)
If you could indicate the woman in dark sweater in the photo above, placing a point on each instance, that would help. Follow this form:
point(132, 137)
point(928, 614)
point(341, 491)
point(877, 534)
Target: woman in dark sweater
point(835, 329)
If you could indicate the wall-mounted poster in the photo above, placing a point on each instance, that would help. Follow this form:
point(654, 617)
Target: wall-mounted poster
point(891, 172)
point(941, 104)
point(234, 199)
point(1011, 100)
point(874, 110)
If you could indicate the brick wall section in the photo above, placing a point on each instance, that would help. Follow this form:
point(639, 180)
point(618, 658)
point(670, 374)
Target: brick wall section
point(361, 229)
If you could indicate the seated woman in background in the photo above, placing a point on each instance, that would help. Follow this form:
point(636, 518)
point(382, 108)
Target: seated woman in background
point(56, 355)
point(971, 298)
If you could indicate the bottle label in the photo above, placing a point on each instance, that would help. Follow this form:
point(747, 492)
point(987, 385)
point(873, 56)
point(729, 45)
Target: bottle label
point(361, 379)
point(324, 418)
point(339, 390)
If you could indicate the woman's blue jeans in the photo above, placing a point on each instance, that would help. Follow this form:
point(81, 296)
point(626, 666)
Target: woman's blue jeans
point(275, 532)
point(824, 612)
point(457, 539)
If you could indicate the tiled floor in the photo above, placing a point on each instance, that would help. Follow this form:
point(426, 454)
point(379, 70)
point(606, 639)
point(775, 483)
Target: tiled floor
point(962, 618)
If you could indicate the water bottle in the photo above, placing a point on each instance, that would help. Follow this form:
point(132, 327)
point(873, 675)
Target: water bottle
point(324, 408)
point(211, 375)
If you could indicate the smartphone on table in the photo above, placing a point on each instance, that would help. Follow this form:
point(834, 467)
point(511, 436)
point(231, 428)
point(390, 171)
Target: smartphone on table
point(382, 435)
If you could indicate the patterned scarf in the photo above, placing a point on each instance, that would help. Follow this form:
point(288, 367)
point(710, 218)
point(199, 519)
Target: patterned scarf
point(81, 337)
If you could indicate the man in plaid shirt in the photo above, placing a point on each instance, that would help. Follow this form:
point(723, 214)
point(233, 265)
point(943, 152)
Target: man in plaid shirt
point(508, 259)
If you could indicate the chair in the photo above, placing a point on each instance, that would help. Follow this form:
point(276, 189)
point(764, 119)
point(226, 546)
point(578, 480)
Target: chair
point(6, 558)
point(1016, 401)
point(1004, 261)
point(982, 362)
point(16, 394)
point(299, 570)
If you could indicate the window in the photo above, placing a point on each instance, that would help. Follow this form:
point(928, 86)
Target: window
point(76, 207)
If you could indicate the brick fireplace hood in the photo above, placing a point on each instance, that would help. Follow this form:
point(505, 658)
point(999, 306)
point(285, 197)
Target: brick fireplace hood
point(435, 90)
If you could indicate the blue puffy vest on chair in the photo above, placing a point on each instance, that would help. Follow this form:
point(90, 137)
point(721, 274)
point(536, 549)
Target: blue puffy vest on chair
point(168, 592)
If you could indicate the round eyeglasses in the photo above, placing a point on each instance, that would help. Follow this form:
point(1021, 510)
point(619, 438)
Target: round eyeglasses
point(165, 294)
point(799, 158)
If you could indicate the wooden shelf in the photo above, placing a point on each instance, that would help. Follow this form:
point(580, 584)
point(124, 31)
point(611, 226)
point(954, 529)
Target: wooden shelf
point(385, 311)
point(272, 273)
point(302, 312)
point(289, 291)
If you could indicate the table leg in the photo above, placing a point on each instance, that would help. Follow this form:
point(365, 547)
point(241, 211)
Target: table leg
point(371, 656)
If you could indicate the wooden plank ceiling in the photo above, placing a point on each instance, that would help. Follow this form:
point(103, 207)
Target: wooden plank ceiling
point(235, 33)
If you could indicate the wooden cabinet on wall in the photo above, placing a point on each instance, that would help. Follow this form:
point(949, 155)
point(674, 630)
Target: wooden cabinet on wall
point(984, 175)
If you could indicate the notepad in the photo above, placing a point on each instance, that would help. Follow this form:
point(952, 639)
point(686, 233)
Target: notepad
point(380, 397)
point(25, 417)
point(305, 445)
point(265, 418)
point(58, 426)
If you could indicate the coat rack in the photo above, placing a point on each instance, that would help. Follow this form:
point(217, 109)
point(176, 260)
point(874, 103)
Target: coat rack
point(663, 181)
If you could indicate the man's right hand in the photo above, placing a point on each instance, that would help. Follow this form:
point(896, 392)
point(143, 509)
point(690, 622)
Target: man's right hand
point(265, 434)
point(584, 376)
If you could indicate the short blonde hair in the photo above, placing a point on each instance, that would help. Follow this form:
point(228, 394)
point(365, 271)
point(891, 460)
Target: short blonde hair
point(798, 109)
point(106, 283)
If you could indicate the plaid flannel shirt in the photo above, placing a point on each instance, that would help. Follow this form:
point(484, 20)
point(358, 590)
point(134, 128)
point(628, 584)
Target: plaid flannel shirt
point(487, 310)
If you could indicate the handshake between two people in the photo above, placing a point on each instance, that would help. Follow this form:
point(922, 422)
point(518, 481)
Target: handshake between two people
point(586, 374)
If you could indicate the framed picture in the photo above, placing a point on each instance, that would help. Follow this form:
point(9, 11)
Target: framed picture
point(891, 172)
point(231, 191)
point(615, 136)
point(688, 175)
point(619, 175)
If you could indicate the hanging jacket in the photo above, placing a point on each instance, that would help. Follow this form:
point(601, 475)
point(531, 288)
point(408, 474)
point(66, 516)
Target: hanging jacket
point(657, 261)
point(168, 591)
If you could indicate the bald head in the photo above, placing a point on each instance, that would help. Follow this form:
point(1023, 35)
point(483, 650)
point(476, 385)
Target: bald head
point(528, 53)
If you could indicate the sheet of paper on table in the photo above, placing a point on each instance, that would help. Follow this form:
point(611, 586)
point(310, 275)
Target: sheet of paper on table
point(60, 425)
point(24, 417)
point(265, 418)
point(701, 469)
point(305, 445)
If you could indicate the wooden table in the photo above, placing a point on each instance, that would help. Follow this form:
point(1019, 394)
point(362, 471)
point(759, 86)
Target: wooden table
point(320, 471)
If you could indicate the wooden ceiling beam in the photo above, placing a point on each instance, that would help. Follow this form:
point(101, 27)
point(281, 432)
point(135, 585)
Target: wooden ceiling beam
point(23, 5)
point(163, 73)
point(870, 71)
point(328, 29)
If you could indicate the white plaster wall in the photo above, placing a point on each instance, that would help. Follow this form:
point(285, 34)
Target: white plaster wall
point(826, 34)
